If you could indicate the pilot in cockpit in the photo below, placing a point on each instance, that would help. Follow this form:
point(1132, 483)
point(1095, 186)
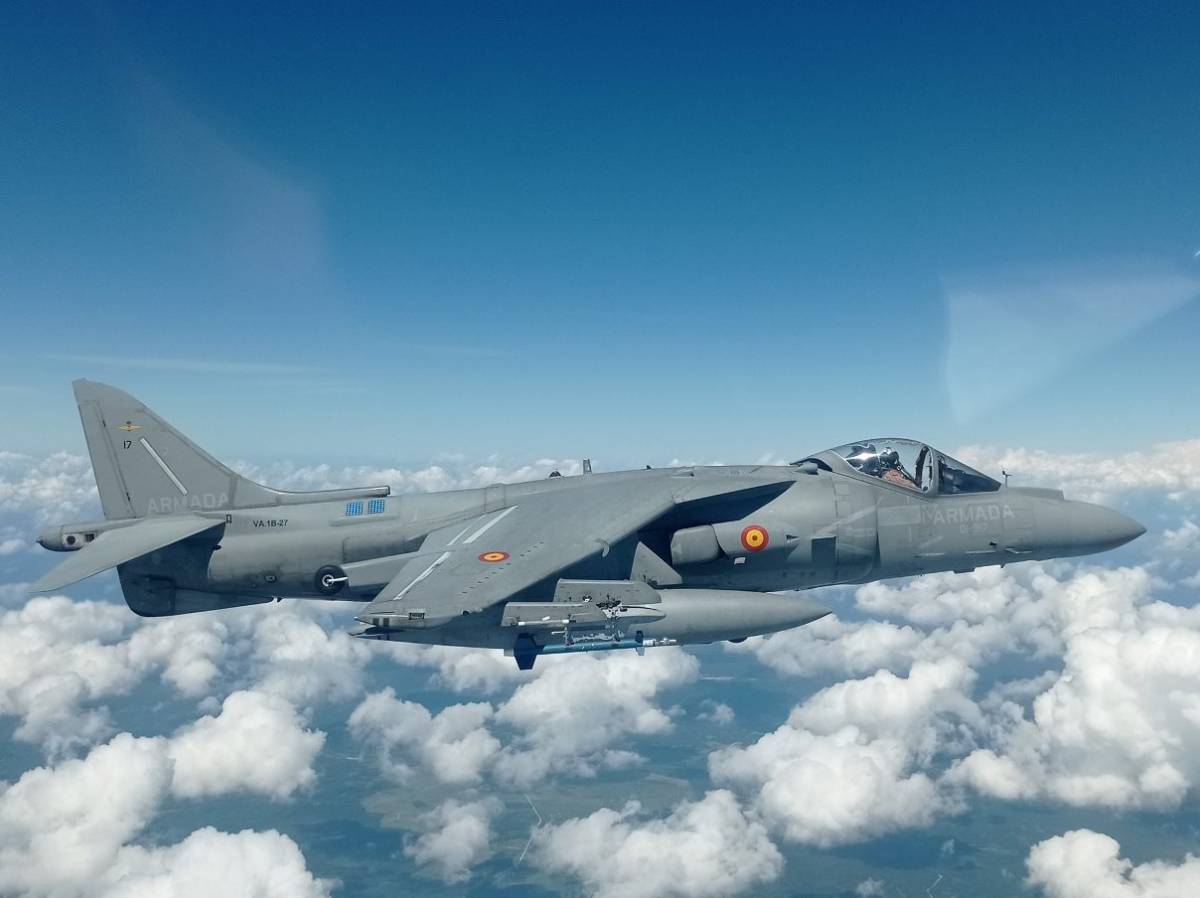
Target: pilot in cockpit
point(865, 458)
point(893, 471)
point(885, 464)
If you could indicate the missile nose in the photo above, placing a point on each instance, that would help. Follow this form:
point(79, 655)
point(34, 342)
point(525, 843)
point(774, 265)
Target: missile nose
point(1098, 529)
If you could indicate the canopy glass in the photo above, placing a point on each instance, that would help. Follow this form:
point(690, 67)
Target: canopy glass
point(913, 466)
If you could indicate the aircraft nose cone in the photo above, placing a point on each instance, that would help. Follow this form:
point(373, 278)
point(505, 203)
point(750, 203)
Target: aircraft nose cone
point(1097, 529)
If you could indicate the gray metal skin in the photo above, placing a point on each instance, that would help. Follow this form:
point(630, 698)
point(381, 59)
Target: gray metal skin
point(743, 529)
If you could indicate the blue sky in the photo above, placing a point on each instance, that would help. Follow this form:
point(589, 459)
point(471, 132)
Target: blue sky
point(635, 231)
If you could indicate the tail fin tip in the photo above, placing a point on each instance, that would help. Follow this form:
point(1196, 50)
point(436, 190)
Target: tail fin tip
point(144, 466)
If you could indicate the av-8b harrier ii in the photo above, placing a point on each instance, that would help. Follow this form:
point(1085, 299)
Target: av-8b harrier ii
point(568, 564)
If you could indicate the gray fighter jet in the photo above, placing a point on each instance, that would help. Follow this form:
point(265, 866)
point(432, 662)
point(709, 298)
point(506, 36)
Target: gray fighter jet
point(567, 564)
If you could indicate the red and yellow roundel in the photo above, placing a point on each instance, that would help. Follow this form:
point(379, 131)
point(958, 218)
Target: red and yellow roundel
point(754, 538)
point(494, 556)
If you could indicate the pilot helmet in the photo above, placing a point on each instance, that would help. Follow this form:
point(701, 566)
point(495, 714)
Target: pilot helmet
point(889, 458)
point(866, 459)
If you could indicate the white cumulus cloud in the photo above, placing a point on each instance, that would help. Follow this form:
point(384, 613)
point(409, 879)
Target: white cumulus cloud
point(258, 743)
point(978, 617)
point(298, 658)
point(1170, 468)
point(485, 671)
point(455, 744)
point(247, 864)
point(61, 828)
point(573, 712)
point(64, 656)
point(1118, 727)
point(564, 721)
point(64, 830)
point(58, 656)
point(56, 488)
point(1086, 864)
point(847, 764)
point(457, 838)
point(709, 847)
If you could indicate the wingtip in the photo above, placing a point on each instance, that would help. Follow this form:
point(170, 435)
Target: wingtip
point(43, 585)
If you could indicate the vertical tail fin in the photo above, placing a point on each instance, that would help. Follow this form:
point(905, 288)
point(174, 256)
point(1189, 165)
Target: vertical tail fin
point(144, 466)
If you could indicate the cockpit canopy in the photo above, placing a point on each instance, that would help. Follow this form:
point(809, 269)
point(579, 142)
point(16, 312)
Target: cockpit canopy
point(911, 465)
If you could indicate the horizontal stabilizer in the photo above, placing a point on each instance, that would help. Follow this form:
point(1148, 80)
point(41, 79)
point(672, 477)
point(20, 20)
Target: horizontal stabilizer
point(113, 547)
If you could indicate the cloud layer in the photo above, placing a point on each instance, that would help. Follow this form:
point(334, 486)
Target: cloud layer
point(1067, 683)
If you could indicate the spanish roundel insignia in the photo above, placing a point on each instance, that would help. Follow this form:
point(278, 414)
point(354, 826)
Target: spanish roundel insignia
point(493, 557)
point(754, 538)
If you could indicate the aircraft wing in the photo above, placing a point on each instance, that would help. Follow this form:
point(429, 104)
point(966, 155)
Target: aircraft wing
point(113, 547)
point(469, 566)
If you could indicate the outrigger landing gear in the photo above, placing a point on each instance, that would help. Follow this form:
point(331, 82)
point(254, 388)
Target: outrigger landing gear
point(525, 650)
